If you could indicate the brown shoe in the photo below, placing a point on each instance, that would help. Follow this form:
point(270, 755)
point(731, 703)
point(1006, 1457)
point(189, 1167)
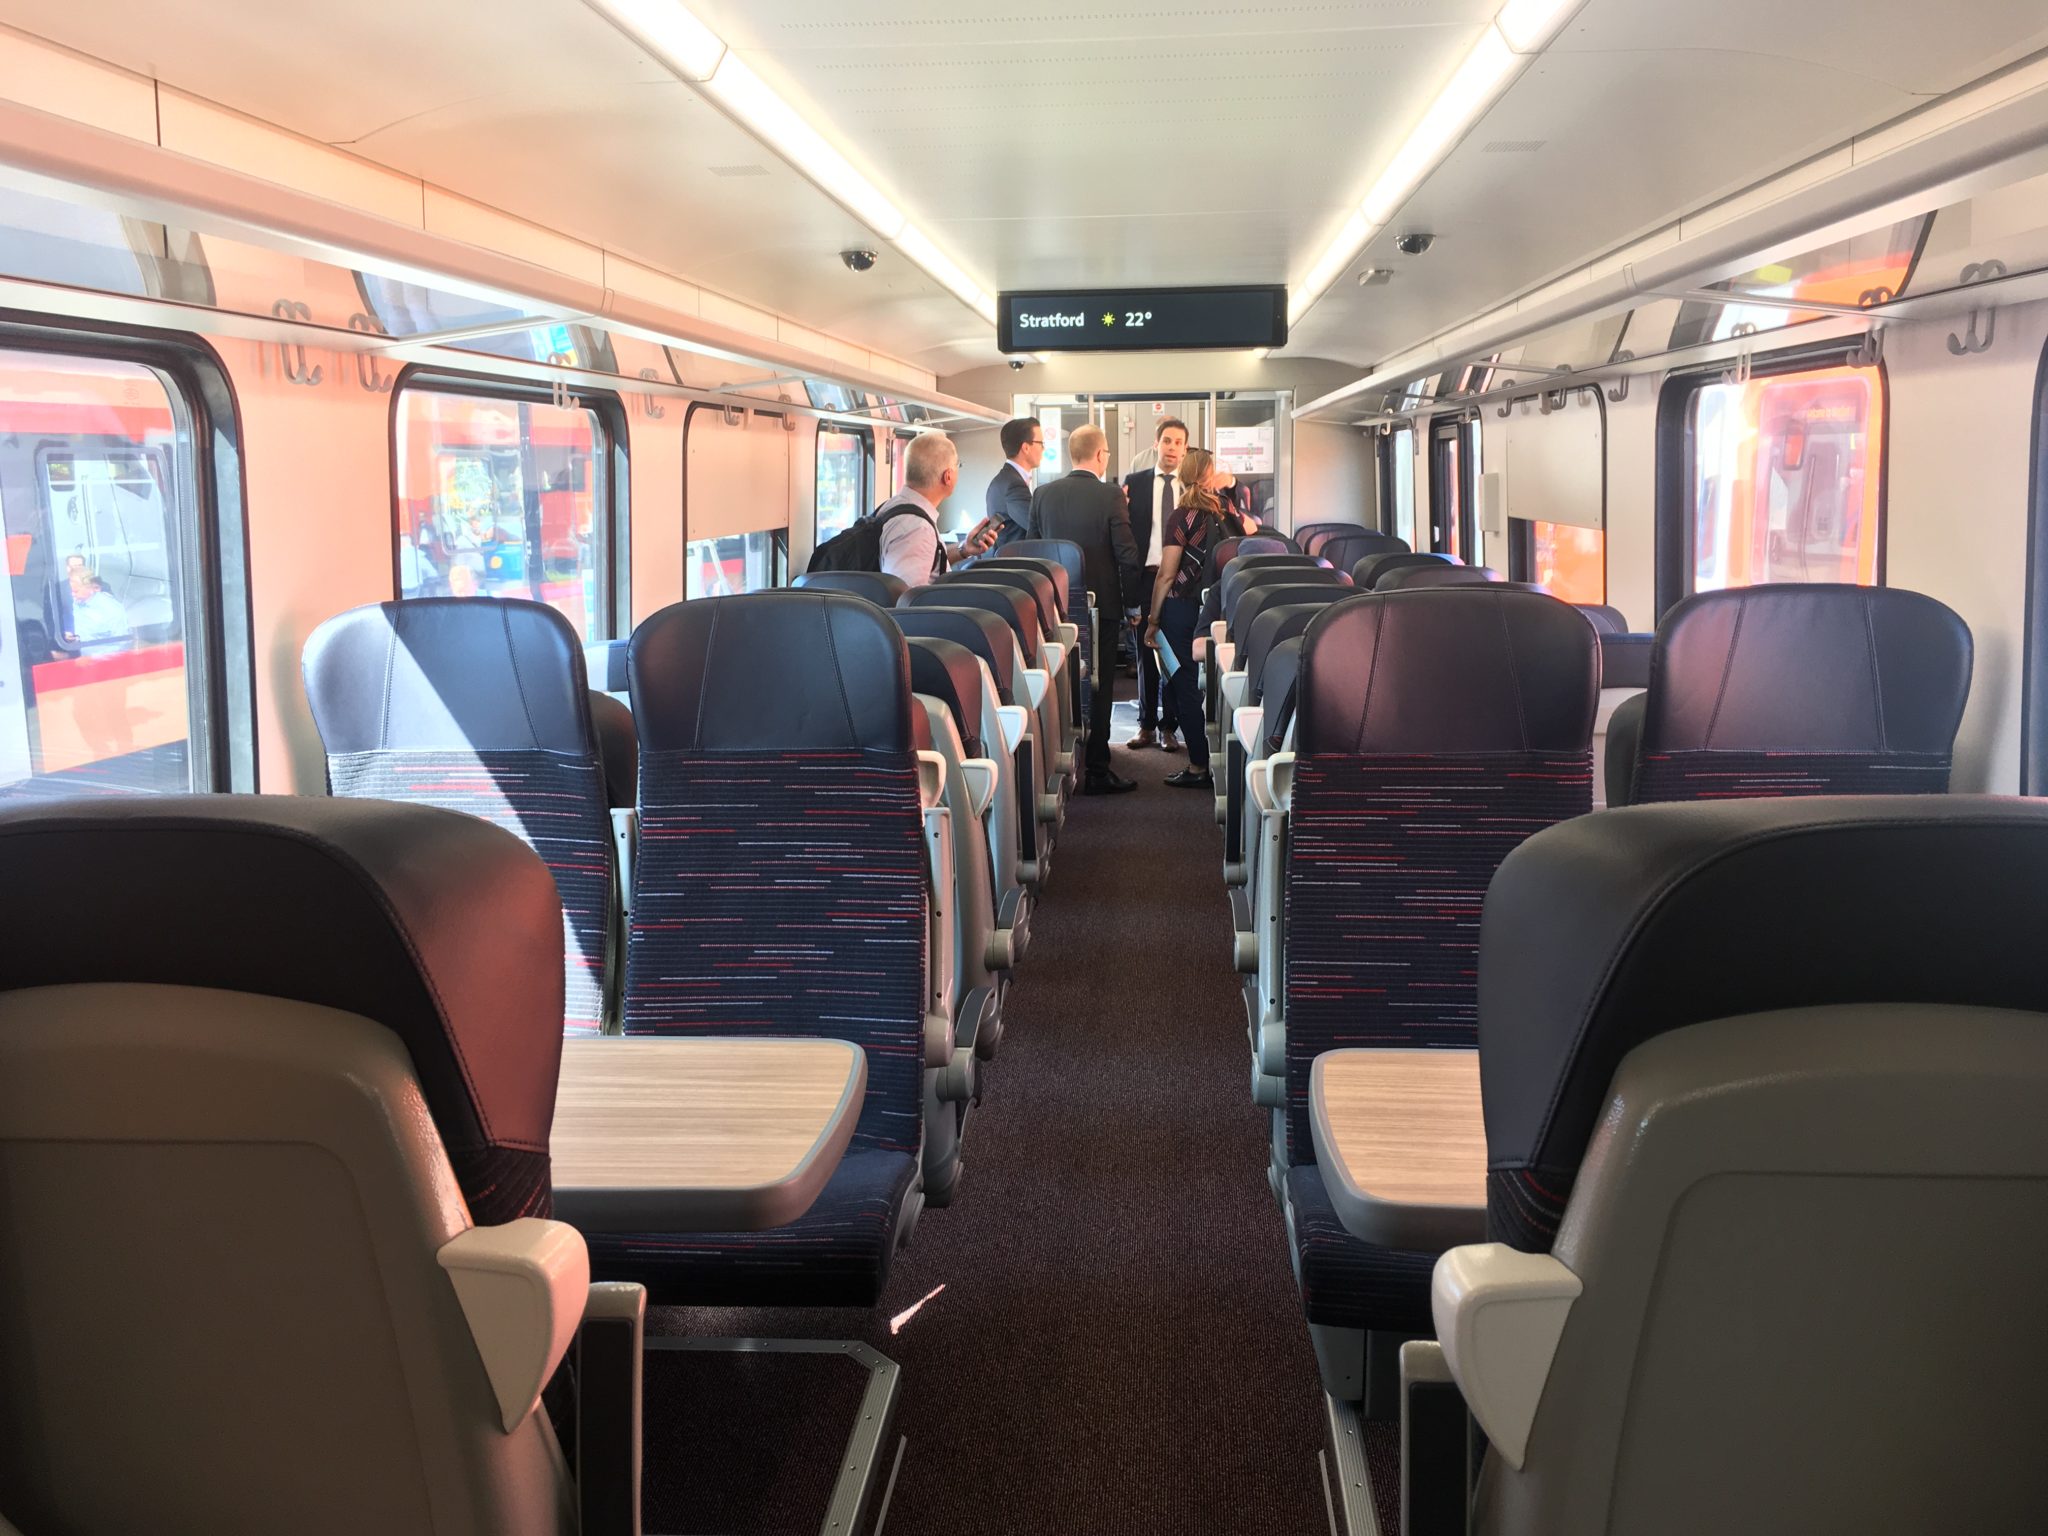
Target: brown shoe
point(1141, 741)
point(1169, 742)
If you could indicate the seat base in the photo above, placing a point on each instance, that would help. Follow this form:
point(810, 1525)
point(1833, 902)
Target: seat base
point(835, 1255)
point(1347, 1283)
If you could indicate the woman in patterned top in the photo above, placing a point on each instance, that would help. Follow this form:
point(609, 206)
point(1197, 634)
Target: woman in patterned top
point(1199, 523)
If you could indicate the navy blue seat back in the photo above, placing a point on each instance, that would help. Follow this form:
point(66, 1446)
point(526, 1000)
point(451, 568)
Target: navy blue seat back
point(1313, 536)
point(877, 587)
point(1035, 565)
point(1346, 546)
point(1606, 618)
point(1372, 569)
point(1625, 659)
point(1608, 932)
point(1065, 553)
point(1434, 731)
point(1014, 607)
point(479, 705)
point(1344, 550)
point(980, 631)
point(1260, 599)
point(1437, 573)
point(1238, 585)
point(780, 884)
point(946, 671)
point(1029, 578)
point(1802, 690)
point(1273, 625)
point(1277, 682)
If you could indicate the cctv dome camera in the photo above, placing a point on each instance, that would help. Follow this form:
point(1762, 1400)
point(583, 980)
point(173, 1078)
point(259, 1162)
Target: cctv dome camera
point(1415, 244)
point(1016, 362)
point(858, 261)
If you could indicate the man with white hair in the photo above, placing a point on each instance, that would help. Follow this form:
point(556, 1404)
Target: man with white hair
point(911, 549)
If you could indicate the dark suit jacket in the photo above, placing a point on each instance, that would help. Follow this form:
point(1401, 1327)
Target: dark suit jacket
point(1140, 490)
point(1091, 514)
point(1009, 499)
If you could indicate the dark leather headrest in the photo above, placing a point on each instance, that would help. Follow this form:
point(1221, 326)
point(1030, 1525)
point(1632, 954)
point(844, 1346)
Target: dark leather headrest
point(476, 673)
point(1468, 669)
point(978, 630)
point(1373, 569)
point(1263, 598)
point(1437, 574)
point(1346, 549)
point(1014, 607)
point(877, 587)
point(441, 927)
point(618, 749)
point(1808, 669)
point(1029, 578)
point(1607, 619)
point(1223, 555)
point(948, 672)
point(1624, 659)
point(1065, 552)
point(790, 670)
point(1606, 931)
point(1052, 570)
point(1236, 584)
point(1279, 682)
point(1265, 544)
point(604, 663)
point(1272, 626)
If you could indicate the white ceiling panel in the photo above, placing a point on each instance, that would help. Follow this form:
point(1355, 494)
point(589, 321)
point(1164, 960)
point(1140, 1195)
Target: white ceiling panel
point(1203, 142)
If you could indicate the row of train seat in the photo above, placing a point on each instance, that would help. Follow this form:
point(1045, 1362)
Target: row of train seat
point(1389, 748)
point(796, 813)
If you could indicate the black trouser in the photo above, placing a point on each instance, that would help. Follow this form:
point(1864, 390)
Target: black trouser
point(1177, 618)
point(1102, 706)
point(1155, 699)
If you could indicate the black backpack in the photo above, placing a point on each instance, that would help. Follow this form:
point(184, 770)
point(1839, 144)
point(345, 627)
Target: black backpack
point(859, 548)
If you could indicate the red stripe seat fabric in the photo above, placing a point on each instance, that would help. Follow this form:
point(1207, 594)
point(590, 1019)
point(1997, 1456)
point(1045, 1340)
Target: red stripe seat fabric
point(783, 893)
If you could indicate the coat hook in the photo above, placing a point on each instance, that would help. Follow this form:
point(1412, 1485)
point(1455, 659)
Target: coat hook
point(647, 402)
point(1971, 341)
point(292, 354)
point(1620, 391)
point(366, 364)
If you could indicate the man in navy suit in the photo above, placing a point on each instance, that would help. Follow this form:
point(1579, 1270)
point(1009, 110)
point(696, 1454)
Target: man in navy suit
point(1008, 502)
point(1153, 495)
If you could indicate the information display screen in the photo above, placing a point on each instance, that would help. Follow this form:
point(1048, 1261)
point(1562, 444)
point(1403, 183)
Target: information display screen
point(1142, 320)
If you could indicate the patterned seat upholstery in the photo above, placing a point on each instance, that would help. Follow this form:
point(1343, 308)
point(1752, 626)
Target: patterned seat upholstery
point(479, 705)
point(1795, 690)
point(1434, 731)
point(780, 891)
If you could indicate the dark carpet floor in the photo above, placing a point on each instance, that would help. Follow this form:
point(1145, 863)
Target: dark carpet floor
point(1118, 1345)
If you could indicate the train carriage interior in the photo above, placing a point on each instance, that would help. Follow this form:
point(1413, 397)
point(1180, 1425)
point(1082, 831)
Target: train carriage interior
point(776, 768)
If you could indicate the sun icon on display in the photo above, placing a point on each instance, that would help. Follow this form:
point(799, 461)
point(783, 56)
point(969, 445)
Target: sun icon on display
point(1109, 319)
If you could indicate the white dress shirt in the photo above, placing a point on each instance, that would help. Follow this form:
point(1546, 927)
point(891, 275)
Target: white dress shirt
point(910, 545)
point(1162, 509)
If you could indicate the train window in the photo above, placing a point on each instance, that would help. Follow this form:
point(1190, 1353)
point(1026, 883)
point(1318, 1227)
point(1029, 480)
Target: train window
point(505, 496)
point(842, 479)
point(1777, 478)
point(104, 633)
point(741, 562)
point(1397, 474)
point(1568, 562)
point(1453, 490)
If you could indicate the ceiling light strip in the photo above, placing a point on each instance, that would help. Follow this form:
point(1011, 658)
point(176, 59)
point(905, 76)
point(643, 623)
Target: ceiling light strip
point(1504, 49)
point(697, 55)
